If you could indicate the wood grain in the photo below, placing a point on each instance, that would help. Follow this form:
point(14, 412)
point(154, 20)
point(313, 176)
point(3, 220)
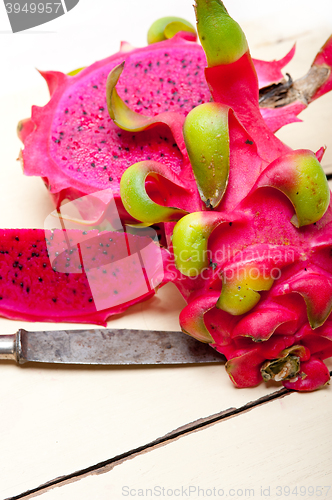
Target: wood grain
point(270, 451)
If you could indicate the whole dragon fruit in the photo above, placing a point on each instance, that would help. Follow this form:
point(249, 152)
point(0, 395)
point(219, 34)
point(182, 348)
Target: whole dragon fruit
point(251, 249)
point(253, 256)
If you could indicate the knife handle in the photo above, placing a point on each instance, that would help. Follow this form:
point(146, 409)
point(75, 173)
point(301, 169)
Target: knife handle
point(9, 346)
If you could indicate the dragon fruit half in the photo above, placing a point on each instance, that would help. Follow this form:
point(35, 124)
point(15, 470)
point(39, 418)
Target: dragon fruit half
point(247, 221)
point(73, 144)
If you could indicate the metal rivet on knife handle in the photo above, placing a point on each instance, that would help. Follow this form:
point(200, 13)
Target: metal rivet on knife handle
point(9, 347)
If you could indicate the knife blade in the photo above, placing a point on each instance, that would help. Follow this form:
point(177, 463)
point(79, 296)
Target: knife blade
point(106, 347)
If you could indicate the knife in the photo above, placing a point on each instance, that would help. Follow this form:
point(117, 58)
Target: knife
point(106, 347)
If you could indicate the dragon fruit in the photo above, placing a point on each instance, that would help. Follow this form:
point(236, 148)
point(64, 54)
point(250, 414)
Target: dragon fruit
point(75, 276)
point(247, 220)
point(72, 142)
point(252, 257)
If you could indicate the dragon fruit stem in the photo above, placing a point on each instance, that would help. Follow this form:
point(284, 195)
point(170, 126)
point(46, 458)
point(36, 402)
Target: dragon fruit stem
point(281, 369)
point(287, 365)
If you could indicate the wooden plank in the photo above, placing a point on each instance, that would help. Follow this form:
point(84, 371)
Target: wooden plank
point(281, 449)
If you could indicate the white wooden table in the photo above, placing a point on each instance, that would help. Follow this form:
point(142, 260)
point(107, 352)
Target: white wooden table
point(111, 433)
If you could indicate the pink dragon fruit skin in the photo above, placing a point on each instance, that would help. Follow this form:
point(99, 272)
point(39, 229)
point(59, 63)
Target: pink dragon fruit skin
point(73, 144)
point(274, 220)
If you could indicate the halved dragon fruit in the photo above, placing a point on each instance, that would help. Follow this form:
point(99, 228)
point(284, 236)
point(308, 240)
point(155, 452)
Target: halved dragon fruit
point(73, 144)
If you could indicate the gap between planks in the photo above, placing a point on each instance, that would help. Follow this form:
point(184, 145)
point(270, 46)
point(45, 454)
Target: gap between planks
point(108, 465)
